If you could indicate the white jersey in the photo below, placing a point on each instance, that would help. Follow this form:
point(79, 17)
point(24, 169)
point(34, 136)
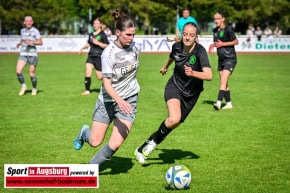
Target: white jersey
point(31, 34)
point(121, 66)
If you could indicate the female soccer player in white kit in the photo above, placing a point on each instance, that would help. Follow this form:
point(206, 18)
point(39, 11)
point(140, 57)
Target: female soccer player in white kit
point(118, 98)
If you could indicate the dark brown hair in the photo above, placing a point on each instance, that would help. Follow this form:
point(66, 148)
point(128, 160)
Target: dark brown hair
point(122, 21)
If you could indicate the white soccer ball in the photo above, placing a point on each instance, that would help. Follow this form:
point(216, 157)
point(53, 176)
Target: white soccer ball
point(178, 177)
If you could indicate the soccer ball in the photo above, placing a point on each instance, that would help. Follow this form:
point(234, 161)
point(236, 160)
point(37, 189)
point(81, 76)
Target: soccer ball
point(178, 177)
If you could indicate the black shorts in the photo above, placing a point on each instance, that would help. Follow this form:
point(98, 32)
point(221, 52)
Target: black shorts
point(96, 61)
point(227, 65)
point(186, 103)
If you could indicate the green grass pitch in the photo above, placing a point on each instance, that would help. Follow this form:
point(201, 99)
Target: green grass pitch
point(243, 150)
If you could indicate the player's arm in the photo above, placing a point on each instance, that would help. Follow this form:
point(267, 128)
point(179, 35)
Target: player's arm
point(38, 42)
point(19, 43)
point(219, 43)
point(123, 105)
point(164, 68)
point(86, 46)
point(99, 43)
point(206, 73)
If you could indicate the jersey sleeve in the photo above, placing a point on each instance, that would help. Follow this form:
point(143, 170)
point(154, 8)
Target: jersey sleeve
point(231, 34)
point(90, 39)
point(176, 47)
point(203, 57)
point(105, 38)
point(108, 60)
point(37, 34)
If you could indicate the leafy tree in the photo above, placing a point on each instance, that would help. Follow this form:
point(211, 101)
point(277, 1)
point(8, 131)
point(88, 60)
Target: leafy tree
point(58, 16)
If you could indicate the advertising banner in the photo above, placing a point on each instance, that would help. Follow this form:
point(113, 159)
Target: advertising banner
point(67, 44)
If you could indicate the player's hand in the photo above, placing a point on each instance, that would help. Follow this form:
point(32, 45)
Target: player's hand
point(81, 51)
point(188, 71)
point(28, 42)
point(124, 106)
point(163, 70)
point(219, 44)
point(211, 48)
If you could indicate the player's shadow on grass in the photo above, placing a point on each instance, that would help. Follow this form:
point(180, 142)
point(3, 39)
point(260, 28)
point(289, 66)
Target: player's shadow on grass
point(116, 165)
point(28, 92)
point(95, 90)
point(208, 102)
point(169, 156)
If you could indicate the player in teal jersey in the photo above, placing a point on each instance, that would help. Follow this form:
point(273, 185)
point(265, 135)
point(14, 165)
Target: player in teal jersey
point(186, 17)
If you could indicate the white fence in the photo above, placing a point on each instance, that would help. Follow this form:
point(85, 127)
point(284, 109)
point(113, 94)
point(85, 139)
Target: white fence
point(148, 44)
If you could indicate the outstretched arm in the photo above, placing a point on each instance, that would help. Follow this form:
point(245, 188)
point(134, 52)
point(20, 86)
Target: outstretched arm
point(164, 68)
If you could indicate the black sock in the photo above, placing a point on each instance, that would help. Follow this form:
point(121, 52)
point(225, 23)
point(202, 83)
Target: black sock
point(20, 78)
point(157, 136)
point(88, 83)
point(227, 96)
point(34, 81)
point(221, 95)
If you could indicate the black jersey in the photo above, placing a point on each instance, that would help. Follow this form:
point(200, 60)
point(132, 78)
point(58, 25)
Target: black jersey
point(96, 50)
point(197, 59)
point(227, 53)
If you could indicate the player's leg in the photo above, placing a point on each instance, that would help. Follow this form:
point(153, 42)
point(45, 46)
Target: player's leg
point(122, 126)
point(98, 67)
point(32, 68)
point(120, 132)
point(19, 69)
point(171, 122)
point(95, 136)
point(99, 74)
point(227, 94)
point(88, 74)
point(172, 96)
point(217, 105)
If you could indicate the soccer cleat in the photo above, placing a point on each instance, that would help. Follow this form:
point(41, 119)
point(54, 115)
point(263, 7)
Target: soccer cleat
point(86, 93)
point(140, 157)
point(22, 91)
point(34, 92)
point(151, 145)
point(227, 106)
point(217, 106)
point(79, 142)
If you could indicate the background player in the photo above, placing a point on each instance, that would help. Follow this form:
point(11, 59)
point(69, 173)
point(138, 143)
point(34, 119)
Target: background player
point(186, 17)
point(30, 37)
point(225, 41)
point(97, 42)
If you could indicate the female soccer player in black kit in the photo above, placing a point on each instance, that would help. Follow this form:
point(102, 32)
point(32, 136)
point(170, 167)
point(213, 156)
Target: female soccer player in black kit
point(183, 88)
point(225, 41)
point(97, 42)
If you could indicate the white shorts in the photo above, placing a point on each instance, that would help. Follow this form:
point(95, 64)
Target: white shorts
point(31, 60)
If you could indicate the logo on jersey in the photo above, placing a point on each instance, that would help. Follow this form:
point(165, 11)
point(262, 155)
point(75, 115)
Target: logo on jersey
point(222, 34)
point(192, 60)
point(98, 37)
